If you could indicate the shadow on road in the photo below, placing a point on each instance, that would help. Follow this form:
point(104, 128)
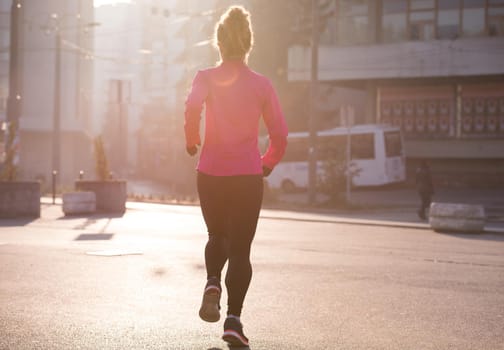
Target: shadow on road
point(16, 222)
point(94, 237)
point(233, 348)
point(93, 217)
point(100, 235)
point(476, 236)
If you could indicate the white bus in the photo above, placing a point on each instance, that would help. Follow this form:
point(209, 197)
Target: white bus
point(376, 152)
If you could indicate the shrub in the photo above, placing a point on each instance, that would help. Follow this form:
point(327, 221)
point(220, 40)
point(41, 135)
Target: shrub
point(9, 170)
point(333, 177)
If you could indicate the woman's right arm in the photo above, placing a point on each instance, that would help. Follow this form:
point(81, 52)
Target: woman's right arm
point(193, 108)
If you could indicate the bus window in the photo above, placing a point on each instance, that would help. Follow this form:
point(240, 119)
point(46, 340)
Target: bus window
point(297, 150)
point(362, 146)
point(331, 147)
point(393, 144)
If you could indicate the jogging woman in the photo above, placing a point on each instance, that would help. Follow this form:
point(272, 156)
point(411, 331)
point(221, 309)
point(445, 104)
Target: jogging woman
point(230, 167)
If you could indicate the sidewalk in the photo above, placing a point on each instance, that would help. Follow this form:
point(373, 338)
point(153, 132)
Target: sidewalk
point(392, 199)
point(408, 197)
point(396, 207)
point(387, 218)
point(389, 208)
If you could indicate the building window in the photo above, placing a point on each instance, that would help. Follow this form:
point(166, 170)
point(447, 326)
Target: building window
point(421, 19)
point(422, 112)
point(421, 25)
point(448, 19)
point(394, 20)
point(473, 18)
point(496, 19)
point(482, 110)
point(353, 22)
point(421, 4)
point(442, 19)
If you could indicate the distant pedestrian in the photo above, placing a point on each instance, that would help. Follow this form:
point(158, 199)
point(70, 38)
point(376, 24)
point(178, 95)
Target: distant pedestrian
point(230, 167)
point(425, 188)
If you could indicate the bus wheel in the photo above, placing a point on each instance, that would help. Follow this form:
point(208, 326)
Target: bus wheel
point(288, 186)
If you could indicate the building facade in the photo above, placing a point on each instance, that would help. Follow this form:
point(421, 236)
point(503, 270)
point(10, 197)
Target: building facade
point(135, 84)
point(54, 81)
point(433, 67)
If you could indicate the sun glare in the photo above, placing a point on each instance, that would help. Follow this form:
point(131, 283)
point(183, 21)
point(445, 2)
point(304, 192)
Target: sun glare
point(109, 2)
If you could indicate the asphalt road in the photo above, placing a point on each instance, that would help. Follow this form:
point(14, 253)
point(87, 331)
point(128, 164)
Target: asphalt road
point(316, 285)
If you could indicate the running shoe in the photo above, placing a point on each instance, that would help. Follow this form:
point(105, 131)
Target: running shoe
point(210, 306)
point(233, 333)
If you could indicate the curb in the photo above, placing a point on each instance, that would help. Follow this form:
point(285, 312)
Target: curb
point(321, 217)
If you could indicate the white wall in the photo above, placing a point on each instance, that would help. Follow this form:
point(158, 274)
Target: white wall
point(38, 52)
point(38, 64)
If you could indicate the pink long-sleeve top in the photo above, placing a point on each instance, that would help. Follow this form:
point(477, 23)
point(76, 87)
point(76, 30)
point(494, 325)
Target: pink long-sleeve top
point(235, 98)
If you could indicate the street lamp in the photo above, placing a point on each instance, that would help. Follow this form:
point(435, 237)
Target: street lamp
point(56, 116)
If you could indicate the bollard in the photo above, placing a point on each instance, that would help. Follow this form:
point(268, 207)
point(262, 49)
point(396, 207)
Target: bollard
point(54, 173)
point(74, 203)
point(457, 217)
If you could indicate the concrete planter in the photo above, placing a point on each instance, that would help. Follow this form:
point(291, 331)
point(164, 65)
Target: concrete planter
point(457, 217)
point(19, 199)
point(75, 203)
point(110, 195)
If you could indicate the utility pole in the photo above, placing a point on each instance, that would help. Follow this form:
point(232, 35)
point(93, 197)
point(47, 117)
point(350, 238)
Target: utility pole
point(349, 120)
point(312, 150)
point(14, 98)
point(123, 96)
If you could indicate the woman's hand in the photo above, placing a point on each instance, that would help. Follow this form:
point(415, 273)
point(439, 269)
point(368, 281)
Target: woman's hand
point(192, 150)
point(266, 171)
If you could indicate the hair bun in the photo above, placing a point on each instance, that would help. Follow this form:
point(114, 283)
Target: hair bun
point(234, 33)
point(236, 17)
point(237, 13)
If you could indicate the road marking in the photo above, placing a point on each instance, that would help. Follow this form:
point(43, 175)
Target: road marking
point(114, 252)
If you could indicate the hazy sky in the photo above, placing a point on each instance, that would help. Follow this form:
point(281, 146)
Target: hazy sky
point(106, 2)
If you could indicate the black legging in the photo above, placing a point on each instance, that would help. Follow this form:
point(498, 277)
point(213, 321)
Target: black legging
point(230, 206)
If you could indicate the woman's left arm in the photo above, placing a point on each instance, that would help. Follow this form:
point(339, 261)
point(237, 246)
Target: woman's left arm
point(277, 130)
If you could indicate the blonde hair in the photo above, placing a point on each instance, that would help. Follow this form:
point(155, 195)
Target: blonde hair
point(233, 34)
